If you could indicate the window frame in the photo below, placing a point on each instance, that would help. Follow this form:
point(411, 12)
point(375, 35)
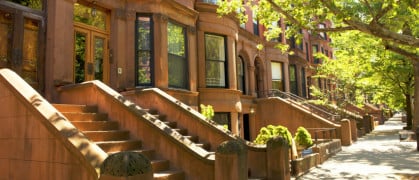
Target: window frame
point(225, 62)
point(282, 81)
point(151, 50)
point(186, 56)
point(241, 78)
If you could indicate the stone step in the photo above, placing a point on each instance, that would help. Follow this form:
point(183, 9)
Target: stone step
point(115, 146)
point(96, 125)
point(149, 153)
point(172, 124)
point(75, 108)
point(169, 175)
point(76, 116)
point(181, 131)
point(160, 117)
point(115, 135)
point(205, 146)
point(194, 139)
point(160, 165)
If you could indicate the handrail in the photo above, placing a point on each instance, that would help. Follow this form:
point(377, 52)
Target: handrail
point(303, 103)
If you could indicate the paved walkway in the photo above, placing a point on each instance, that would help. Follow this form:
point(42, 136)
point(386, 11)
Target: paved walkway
point(378, 155)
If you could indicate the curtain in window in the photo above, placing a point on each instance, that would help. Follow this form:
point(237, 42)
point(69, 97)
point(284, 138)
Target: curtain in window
point(277, 80)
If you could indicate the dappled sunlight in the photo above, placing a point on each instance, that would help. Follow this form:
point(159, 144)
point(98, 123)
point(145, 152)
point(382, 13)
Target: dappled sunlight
point(378, 155)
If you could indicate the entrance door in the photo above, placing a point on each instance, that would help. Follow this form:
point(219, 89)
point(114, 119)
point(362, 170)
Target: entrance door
point(90, 61)
point(246, 126)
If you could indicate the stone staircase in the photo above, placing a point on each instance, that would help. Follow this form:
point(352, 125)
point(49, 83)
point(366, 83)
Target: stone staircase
point(180, 130)
point(111, 139)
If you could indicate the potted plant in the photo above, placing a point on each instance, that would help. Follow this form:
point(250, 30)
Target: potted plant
point(302, 139)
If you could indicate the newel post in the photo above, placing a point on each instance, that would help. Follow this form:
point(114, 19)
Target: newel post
point(277, 150)
point(231, 161)
point(346, 137)
point(126, 166)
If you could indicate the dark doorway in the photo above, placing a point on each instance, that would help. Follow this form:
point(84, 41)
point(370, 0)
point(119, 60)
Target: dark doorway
point(246, 126)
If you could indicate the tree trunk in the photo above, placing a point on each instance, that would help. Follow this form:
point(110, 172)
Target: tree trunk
point(408, 110)
point(415, 120)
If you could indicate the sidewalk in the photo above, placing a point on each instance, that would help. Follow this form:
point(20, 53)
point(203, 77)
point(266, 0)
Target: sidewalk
point(378, 155)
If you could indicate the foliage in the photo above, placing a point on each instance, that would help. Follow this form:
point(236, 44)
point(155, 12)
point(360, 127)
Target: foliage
point(207, 111)
point(394, 24)
point(272, 131)
point(302, 137)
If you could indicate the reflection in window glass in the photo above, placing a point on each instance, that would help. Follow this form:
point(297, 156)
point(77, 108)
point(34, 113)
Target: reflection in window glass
point(6, 31)
point(222, 118)
point(144, 32)
point(90, 16)
point(215, 58)
point(30, 52)
point(277, 79)
point(293, 79)
point(240, 75)
point(34, 4)
point(178, 71)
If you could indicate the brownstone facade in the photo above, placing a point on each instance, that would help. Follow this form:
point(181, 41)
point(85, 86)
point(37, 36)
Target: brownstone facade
point(182, 47)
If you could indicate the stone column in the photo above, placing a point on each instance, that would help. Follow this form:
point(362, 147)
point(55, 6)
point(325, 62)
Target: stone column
point(126, 166)
point(277, 150)
point(346, 132)
point(354, 130)
point(231, 161)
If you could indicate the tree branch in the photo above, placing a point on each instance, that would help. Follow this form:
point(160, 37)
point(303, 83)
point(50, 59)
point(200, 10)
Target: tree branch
point(398, 50)
point(374, 28)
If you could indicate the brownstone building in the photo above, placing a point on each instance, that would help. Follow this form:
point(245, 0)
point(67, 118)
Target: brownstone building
point(178, 46)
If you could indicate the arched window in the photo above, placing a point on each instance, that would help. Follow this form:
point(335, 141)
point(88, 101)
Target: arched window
point(241, 85)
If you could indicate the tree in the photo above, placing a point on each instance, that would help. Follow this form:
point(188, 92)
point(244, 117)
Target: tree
point(366, 73)
point(394, 22)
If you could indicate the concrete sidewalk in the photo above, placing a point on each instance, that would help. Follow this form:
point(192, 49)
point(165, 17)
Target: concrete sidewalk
point(378, 155)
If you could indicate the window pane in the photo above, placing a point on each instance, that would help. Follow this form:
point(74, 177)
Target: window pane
point(176, 39)
point(222, 118)
point(215, 60)
point(144, 50)
point(177, 62)
point(277, 81)
point(293, 80)
point(240, 74)
point(90, 16)
point(99, 45)
point(214, 47)
point(215, 74)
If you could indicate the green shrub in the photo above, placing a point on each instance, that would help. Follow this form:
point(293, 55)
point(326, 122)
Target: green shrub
point(303, 138)
point(207, 111)
point(271, 131)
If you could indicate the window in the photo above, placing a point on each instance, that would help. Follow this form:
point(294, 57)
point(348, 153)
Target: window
point(222, 118)
point(177, 61)
point(215, 61)
point(293, 79)
point(210, 1)
point(323, 35)
point(276, 24)
point(277, 76)
point(307, 53)
point(240, 75)
point(315, 49)
point(303, 82)
point(144, 50)
point(255, 24)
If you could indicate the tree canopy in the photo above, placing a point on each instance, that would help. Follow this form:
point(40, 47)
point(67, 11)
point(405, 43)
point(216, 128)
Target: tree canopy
point(394, 23)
